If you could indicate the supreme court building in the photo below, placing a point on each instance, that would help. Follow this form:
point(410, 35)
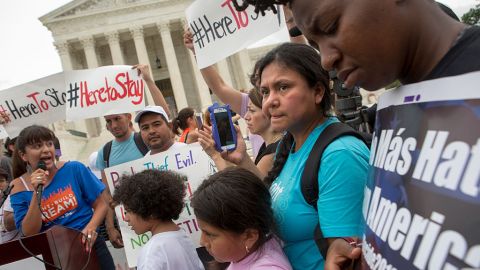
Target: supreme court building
point(93, 33)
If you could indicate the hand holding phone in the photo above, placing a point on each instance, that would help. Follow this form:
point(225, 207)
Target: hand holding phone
point(223, 131)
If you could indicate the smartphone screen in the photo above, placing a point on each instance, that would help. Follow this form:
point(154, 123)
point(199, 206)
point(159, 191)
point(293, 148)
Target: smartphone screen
point(198, 118)
point(224, 128)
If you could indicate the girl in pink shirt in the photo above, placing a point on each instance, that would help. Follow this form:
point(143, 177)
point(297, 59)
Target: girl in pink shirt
point(233, 210)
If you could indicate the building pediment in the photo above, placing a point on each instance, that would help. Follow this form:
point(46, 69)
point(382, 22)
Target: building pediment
point(83, 8)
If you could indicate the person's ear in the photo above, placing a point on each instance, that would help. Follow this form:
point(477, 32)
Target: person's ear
point(250, 238)
point(23, 156)
point(319, 93)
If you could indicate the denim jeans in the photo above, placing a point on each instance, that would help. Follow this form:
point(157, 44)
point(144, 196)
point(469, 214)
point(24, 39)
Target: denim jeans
point(105, 259)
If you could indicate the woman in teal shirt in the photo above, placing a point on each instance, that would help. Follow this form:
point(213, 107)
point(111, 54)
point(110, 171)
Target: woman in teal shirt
point(297, 99)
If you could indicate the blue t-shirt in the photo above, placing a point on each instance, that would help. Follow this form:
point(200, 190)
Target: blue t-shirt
point(341, 181)
point(121, 152)
point(67, 200)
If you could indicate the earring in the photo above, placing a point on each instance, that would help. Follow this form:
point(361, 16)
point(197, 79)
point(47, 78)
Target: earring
point(246, 249)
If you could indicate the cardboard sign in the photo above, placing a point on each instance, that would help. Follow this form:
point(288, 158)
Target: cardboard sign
point(39, 102)
point(220, 31)
point(422, 201)
point(103, 91)
point(190, 161)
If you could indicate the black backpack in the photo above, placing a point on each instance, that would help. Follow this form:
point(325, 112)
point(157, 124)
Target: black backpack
point(309, 178)
point(137, 138)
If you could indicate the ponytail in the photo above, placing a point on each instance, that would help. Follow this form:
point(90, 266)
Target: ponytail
point(281, 156)
point(176, 126)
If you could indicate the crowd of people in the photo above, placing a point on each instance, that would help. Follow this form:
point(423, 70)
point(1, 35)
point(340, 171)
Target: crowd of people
point(254, 212)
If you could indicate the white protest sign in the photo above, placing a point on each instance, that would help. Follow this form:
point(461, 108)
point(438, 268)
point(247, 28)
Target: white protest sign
point(219, 30)
point(103, 91)
point(40, 102)
point(190, 161)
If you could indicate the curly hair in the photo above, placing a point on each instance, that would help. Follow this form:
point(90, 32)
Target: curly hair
point(260, 5)
point(152, 194)
point(235, 200)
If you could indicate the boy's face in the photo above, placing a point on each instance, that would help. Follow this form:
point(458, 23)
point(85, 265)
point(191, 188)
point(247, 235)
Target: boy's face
point(3, 183)
point(365, 41)
point(136, 222)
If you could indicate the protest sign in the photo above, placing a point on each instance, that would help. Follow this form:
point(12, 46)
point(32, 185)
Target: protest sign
point(190, 161)
point(40, 102)
point(422, 200)
point(103, 91)
point(219, 30)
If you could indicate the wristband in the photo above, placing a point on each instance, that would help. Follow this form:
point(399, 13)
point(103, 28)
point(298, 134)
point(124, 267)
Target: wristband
point(294, 32)
point(352, 242)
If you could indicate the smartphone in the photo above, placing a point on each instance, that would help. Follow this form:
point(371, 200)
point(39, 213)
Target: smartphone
point(199, 120)
point(223, 131)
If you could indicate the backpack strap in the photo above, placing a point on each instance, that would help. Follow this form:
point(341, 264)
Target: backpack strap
point(107, 148)
point(309, 180)
point(142, 147)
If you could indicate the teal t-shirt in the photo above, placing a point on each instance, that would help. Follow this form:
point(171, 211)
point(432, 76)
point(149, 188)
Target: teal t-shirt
point(121, 152)
point(341, 181)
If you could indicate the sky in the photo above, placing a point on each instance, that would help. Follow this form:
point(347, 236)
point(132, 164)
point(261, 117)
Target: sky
point(26, 48)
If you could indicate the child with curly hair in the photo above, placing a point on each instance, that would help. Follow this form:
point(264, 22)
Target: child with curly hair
point(152, 200)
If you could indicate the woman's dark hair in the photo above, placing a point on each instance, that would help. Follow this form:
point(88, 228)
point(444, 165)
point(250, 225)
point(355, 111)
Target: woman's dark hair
point(28, 136)
point(8, 142)
point(181, 120)
point(152, 194)
point(254, 77)
point(256, 97)
point(235, 200)
point(306, 61)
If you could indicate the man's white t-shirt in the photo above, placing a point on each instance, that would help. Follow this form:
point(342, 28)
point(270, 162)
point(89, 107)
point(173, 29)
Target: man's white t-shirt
point(169, 250)
point(4, 235)
point(175, 146)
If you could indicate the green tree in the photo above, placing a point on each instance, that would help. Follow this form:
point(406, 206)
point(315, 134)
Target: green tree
point(472, 17)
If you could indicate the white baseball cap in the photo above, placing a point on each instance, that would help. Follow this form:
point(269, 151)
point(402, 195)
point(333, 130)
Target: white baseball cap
point(153, 109)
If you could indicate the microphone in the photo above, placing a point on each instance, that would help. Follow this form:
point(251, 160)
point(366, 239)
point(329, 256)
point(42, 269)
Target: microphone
point(41, 165)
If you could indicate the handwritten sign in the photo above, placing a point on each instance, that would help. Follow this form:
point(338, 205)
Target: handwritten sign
point(102, 91)
point(220, 31)
point(40, 102)
point(190, 161)
point(422, 201)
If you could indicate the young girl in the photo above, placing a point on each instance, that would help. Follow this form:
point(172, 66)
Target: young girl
point(85, 207)
point(152, 200)
point(233, 209)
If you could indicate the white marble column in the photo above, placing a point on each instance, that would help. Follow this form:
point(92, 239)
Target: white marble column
point(88, 43)
point(224, 71)
point(172, 65)
point(142, 55)
point(64, 53)
point(114, 44)
point(202, 87)
point(63, 49)
point(90, 54)
point(243, 69)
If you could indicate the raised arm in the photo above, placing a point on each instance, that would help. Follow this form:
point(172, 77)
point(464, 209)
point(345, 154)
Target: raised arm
point(226, 93)
point(158, 99)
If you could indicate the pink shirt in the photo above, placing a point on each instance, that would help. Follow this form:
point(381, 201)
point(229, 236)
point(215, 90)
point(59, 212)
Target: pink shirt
point(269, 256)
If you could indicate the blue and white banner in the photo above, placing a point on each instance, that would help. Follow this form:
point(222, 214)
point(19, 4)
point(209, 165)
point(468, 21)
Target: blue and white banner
point(422, 200)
